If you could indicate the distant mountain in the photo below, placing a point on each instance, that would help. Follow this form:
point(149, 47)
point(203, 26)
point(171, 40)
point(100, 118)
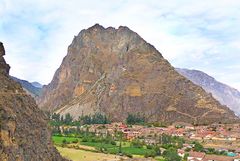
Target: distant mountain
point(36, 84)
point(116, 72)
point(29, 87)
point(225, 94)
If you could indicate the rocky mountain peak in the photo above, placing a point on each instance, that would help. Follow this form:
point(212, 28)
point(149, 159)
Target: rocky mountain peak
point(2, 50)
point(116, 72)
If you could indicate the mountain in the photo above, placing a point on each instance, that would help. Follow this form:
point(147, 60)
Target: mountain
point(225, 94)
point(24, 134)
point(116, 72)
point(36, 84)
point(29, 87)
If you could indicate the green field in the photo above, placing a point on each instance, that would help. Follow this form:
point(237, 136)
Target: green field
point(59, 139)
point(113, 149)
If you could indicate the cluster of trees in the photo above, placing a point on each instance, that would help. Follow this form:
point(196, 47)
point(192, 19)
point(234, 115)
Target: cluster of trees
point(135, 119)
point(168, 141)
point(97, 118)
point(58, 120)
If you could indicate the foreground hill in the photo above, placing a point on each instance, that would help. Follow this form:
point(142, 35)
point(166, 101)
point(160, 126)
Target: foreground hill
point(116, 72)
point(34, 89)
point(24, 134)
point(225, 94)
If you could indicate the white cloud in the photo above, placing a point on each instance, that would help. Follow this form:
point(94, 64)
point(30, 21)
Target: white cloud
point(194, 34)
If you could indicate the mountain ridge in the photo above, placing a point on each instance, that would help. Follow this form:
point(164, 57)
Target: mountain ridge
point(225, 94)
point(29, 87)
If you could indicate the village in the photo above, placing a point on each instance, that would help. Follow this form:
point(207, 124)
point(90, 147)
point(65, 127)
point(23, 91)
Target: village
point(221, 138)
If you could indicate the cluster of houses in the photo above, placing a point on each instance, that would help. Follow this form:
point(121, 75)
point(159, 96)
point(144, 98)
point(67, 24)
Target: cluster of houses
point(211, 133)
point(216, 133)
point(199, 156)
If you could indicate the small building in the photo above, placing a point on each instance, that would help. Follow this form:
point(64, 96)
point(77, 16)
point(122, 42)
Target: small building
point(195, 156)
point(220, 158)
point(181, 152)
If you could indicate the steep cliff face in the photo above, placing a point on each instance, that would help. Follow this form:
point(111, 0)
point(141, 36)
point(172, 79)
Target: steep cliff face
point(116, 72)
point(24, 135)
point(225, 94)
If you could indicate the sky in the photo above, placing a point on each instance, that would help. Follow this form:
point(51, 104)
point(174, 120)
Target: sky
point(202, 35)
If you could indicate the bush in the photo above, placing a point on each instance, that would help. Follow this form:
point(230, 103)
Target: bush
point(113, 142)
point(128, 155)
point(149, 147)
point(84, 139)
point(171, 154)
point(64, 141)
point(93, 140)
point(157, 150)
point(75, 141)
point(150, 154)
point(137, 143)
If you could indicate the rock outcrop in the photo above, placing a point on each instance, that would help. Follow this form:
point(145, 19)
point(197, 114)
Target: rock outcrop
point(116, 72)
point(225, 94)
point(24, 135)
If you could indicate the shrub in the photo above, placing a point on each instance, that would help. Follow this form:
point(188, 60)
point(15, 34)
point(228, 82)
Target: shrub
point(149, 147)
point(64, 141)
point(75, 141)
point(113, 142)
point(128, 155)
point(84, 139)
point(150, 154)
point(137, 143)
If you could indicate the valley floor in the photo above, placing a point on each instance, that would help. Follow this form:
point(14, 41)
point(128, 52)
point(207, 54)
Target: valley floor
point(81, 155)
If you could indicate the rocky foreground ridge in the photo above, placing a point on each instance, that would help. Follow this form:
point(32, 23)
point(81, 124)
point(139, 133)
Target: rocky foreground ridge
point(116, 72)
point(24, 135)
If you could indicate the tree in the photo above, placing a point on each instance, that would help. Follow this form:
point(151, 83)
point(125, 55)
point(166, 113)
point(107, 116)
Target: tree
point(135, 119)
point(56, 117)
point(198, 147)
point(166, 139)
point(171, 155)
point(97, 118)
point(136, 143)
point(68, 119)
point(157, 150)
point(120, 135)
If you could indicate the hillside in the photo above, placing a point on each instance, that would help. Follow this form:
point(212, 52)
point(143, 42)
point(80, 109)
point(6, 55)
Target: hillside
point(33, 89)
point(24, 134)
point(36, 84)
point(225, 94)
point(116, 72)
